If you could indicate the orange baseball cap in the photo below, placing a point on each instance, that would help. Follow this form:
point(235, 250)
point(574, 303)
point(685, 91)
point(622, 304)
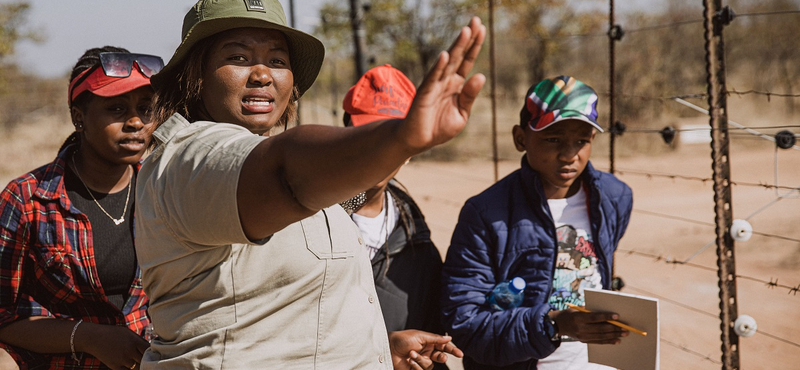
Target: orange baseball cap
point(382, 93)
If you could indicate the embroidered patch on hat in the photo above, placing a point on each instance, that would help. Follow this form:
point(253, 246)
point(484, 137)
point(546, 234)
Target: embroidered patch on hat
point(254, 5)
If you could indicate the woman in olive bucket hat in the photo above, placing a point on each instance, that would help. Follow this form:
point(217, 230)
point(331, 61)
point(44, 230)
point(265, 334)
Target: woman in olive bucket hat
point(247, 258)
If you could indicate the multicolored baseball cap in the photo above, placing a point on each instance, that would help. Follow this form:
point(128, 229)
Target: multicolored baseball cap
point(381, 93)
point(559, 99)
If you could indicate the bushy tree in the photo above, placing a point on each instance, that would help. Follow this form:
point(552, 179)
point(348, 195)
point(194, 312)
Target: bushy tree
point(542, 28)
point(407, 34)
point(13, 21)
point(13, 29)
point(762, 50)
point(661, 55)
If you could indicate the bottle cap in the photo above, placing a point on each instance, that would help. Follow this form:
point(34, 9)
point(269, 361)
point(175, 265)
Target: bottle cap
point(517, 285)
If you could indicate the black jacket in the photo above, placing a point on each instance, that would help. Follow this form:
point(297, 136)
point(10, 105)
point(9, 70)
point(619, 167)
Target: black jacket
point(408, 282)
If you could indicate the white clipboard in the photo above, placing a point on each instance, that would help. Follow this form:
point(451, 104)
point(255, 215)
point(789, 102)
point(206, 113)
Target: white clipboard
point(635, 352)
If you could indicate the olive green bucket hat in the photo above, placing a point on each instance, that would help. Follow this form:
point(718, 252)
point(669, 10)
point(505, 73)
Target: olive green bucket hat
point(209, 17)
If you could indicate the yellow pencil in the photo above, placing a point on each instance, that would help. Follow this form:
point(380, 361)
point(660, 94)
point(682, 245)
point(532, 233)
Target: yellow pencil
point(612, 322)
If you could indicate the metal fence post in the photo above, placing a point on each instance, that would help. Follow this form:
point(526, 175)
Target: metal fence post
point(715, 18)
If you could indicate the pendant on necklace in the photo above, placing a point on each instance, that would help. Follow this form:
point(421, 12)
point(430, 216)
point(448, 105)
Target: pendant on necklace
point(118, 221)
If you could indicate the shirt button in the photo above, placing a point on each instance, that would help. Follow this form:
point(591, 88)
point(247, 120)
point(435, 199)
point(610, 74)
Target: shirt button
point(371, 299)
point(360, 241)
point(380, 358)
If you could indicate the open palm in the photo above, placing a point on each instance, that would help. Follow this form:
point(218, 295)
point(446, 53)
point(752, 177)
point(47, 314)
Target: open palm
point(443, 102)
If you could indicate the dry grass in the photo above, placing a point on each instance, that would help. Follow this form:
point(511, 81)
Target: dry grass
point(31, 144)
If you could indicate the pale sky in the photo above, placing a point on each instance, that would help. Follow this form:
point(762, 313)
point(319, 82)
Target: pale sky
point(71, 27)
point(141, 26)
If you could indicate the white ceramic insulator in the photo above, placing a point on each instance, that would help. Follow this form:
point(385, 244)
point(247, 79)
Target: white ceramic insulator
point(745, 326)
point(741, 230)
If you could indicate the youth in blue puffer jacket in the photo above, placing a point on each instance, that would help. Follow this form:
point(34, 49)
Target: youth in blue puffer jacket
point(508, 231)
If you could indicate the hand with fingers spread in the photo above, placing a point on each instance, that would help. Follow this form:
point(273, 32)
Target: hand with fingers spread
point(444, 99)
point(589, 327)
point(416, 349)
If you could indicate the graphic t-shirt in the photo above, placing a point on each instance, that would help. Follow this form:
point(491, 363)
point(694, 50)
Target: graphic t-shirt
point(576, 269)
point(576, 263)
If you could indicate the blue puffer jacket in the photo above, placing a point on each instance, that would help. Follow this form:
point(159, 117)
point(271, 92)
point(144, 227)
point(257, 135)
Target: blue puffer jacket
point(507, 231)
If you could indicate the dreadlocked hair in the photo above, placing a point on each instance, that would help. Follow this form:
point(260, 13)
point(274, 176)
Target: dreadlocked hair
point(182, 92)
point(90, 59)
point(405, 216)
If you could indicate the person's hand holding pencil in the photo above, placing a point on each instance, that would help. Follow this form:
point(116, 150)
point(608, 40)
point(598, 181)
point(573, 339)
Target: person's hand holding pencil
point(589, 327)
point(612, 322)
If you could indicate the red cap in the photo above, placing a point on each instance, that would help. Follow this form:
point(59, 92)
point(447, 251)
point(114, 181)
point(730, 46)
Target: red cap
point(382, 93)
point(100, 84)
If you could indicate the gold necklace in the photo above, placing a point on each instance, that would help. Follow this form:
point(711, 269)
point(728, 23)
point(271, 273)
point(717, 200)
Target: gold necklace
point(117, 221)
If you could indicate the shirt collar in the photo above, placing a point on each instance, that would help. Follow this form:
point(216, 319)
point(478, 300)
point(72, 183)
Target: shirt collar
point(51, 185)
point(167, 130)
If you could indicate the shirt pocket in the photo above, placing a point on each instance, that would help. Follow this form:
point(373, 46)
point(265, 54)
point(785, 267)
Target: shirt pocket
point(54, 273)
point(327, 237)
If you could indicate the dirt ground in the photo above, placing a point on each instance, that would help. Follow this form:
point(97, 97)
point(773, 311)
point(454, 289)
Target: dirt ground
point(672, 221)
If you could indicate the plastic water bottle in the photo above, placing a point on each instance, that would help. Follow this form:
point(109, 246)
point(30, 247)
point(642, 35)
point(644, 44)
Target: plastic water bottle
point(507, 294)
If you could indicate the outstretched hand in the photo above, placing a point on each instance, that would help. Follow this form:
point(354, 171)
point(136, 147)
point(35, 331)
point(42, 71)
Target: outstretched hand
point(444, 99)
point(417, 350)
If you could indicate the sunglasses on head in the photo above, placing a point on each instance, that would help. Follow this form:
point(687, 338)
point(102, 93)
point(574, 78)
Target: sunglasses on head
point(118, 65)
point(121, 64)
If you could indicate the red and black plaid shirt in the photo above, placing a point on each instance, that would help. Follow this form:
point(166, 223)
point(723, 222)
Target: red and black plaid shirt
point(47, 265)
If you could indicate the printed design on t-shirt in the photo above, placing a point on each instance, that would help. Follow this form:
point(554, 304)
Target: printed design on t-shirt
point(576, 267)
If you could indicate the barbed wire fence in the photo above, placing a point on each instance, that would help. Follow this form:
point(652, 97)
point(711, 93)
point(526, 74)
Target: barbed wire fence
point(323, 105)
point(715, 19)
point(615, 35)
point(720, 129)
point(318, 107)
point(781, 141)
point(784, 141)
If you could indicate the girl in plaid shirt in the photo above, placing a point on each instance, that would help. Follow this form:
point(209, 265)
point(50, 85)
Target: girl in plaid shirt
point(70, 287)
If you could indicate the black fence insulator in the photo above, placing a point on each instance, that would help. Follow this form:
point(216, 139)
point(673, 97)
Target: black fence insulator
point(785, 139)
point(616, 32)
point(617, 128)
point(617, 283)
point(723, 18)
point(668, 134)
point(727, 15)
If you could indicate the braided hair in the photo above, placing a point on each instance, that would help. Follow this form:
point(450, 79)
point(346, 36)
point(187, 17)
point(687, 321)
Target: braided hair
point(89, 59)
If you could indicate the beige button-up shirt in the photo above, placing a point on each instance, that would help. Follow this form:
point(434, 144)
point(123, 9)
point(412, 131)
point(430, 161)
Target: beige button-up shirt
point(303, 299)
